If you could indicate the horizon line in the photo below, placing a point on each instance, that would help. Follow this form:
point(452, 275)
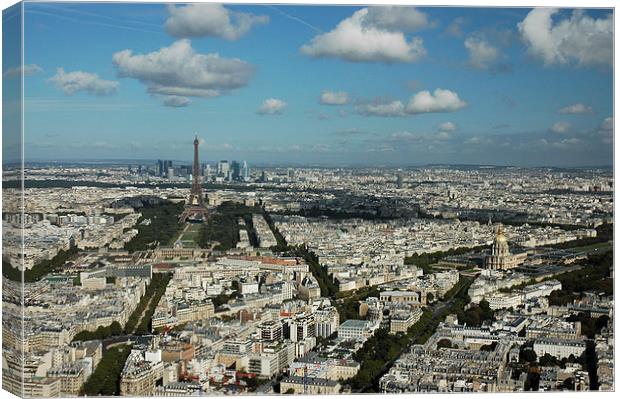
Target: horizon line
point(308, 164)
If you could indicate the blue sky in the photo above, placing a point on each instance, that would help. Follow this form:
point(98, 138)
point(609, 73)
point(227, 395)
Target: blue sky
point(319, 85)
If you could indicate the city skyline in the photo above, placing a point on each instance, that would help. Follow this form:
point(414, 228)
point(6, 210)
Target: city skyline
point(496, 86)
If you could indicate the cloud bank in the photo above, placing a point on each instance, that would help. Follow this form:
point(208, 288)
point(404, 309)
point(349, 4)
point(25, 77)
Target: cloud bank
point(178, 70)
point(334, 98)
point(578, 39)
point(200, 20)
point(76, 81)
point(374, 34)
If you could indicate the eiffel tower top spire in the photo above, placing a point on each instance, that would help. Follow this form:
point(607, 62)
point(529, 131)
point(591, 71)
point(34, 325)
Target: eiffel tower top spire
point(195, 209)
point(196, 183)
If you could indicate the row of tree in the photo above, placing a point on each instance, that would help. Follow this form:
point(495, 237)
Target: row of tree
point(105, 380)
point(156, 287)
point(39, 270)
point(281, 246)
point(113, 330)
point(594, 276)
point(425, 260)
point(316, 212)
point(604, 233)
point(72, 183)
point(381, 350)
point(328, 286)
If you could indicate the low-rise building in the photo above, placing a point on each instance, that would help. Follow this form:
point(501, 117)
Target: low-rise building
point(309, 386)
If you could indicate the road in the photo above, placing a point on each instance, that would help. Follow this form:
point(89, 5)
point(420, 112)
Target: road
point(144, 312)
point(118, 340)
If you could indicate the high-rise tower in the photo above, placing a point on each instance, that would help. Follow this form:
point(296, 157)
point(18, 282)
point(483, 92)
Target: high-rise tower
point(195, 210)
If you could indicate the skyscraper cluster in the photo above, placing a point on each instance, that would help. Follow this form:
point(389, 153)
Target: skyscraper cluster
point(232, 171)
point(164, 167)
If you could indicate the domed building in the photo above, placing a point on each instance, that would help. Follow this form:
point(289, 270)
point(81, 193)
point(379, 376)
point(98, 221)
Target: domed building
point(500, 257)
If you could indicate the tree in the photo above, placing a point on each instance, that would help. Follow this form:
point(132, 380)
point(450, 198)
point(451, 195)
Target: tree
point(568, 384)
point(105, 380)
point(444, 343)
point(527, 354)
point(533, 379)
point(223, 226)
point(601, 323)
point(490, 347)
point(164, 225)
point(116, 328)
point(39, 270)
point(548, 361)
point(476, 314)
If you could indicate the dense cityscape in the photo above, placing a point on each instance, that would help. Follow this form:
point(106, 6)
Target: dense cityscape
point(149, 279)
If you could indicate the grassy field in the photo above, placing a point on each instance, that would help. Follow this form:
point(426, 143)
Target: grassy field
point(189, 236)
point(602, 246)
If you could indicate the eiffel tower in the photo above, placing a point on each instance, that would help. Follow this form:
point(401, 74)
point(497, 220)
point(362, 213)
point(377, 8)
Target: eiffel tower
point(195, 210)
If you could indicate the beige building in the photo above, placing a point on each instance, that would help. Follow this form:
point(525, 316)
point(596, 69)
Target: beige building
point(343, 369)
point(310, 386)
point(414, 297)
point(71, 378)
point(138, 376)
point(308, 288)
point(31, 386)
point(401, 321)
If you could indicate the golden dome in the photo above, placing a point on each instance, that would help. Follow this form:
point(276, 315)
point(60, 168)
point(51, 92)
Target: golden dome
point(500, 243)
point(500, 237)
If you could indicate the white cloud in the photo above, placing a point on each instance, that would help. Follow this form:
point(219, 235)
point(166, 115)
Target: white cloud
point(334, 97)
point(394, 18)
point(577, 108)
point(566, 143)
point(478, 140)
point(578, 39)
point(179, 71)
point(446, 132)
point(481, 53)
point(176, 101)
point(455, 28)
point(443, 135)
point(29, 69)
point(359, 39)
point(350, 132)
point(405, 136)
point(447, 127)
point(199, 20)
point(72, 82)
point(440, 100)
point(606, 130)
point(560, 127)
point(382, 108)
point(272, 106)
